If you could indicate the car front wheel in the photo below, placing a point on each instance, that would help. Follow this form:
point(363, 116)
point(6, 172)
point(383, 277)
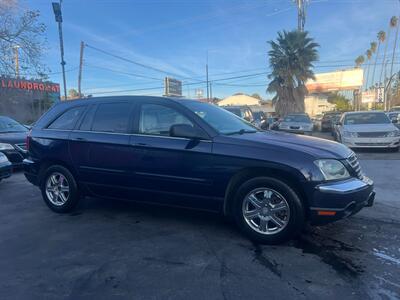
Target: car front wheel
point(268, 211)
point(59, 189)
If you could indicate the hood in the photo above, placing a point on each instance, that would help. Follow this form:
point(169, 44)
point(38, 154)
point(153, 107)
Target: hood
point(13, 137)
point(316, 147)
point(297, 124)
point(370, 127)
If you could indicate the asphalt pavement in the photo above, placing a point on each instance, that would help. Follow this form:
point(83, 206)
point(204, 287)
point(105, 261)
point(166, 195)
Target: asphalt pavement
point(119, 250)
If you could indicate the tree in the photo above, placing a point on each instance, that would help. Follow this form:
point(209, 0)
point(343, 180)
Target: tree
point(20, 28)
point(257, 96)
point(385, 51)
point(341, 102)
point(394, 22)
point(381, 38)
point(359, 61)
point(368, 54)
point(291, 59)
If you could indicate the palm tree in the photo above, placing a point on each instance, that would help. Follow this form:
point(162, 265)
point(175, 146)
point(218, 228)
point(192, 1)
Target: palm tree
point(381, 38)
point(359, 61)
point(394, 22)
point(368, 54)
point(291, 60)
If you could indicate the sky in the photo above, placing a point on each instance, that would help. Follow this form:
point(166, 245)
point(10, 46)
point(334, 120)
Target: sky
point(175, 37)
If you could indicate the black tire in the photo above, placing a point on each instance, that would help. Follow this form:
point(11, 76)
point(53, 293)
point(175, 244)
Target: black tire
point(296, 218)
point(73, 194)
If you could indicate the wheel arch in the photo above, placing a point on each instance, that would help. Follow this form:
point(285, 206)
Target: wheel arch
point(289, 176)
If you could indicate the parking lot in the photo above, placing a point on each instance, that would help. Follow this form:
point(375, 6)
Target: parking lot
point(110, 250)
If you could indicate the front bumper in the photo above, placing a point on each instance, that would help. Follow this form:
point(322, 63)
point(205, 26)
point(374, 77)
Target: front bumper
point(337, 200)
point(5, 170)
point(385, 142)
point(298, 131)
point(15, 157)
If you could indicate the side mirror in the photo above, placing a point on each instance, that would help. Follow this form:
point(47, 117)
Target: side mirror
point(186, 131)
point(338, 123)
point(395, 121)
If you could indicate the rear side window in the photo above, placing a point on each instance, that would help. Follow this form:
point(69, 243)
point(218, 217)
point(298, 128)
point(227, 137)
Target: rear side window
point(68, 119)
point(112, 117)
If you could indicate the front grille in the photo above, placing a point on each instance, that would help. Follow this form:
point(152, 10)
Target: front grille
point(355, 165)
point(372, 144)
point(21, 147)
point(372, 134)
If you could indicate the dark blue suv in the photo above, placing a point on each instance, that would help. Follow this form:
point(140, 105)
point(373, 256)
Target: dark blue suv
point(190, 154)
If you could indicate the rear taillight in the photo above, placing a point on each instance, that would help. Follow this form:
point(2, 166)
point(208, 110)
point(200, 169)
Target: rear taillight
point(28, 140)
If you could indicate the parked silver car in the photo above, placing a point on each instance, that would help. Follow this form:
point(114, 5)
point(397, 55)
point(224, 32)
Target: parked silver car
point(368, 129)
point(297, 123)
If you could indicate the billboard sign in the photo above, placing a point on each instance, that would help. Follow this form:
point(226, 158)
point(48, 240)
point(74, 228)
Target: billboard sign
point(172, 87)
point(336, 81)
point(368, 97)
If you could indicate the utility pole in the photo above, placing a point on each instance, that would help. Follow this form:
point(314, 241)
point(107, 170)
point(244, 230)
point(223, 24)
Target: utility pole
point(80, 69)
point(208, 92)
point(58, 16)
point(211, 97)
point(16, 58)
point(301, 14)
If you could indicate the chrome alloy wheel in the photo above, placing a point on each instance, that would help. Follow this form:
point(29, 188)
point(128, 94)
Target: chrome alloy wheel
point(57, 189)
point(266, 211)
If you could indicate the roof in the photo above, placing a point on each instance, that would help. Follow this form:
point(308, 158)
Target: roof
point(239, 100)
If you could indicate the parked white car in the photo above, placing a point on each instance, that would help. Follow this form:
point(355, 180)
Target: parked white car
point(367, 129)
point(297, 123)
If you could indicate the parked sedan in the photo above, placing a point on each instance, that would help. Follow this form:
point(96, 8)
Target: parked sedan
point(368, 130)
point(5, 167)
point(187, 153)
point(297, 123)
point(13, 140)
point(328, 120)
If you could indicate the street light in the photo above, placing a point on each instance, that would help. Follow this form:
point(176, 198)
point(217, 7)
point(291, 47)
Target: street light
point(58, 16)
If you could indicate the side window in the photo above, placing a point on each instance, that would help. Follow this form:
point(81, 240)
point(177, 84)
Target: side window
point(112, 117)
point(157, 119)
point(68, 119)
point(88, 119)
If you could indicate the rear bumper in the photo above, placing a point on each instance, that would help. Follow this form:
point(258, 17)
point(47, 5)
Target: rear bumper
point(31, 171)
point(338, 200)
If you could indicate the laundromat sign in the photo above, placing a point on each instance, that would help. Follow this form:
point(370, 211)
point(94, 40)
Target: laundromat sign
point(19, 84)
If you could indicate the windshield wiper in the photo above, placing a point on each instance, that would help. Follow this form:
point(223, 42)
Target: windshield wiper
point(241, 131)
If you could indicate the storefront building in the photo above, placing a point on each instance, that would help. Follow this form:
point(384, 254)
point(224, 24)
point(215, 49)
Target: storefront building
point(26, 100)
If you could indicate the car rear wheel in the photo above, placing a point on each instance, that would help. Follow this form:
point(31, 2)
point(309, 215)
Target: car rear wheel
point(59, 189)
point(268, 211)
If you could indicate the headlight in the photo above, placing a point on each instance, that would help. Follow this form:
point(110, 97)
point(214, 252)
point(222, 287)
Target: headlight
point(3, 158)
point(393, 133)
point(332, 169)
point(350, 134)
point(4, 146)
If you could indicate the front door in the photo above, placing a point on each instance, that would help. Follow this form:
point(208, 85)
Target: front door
point(177, 168)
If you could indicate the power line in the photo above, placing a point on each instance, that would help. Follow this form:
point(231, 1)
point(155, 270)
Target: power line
point(132, 61)
point(123, 72)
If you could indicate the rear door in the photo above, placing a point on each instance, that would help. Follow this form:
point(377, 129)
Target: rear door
point(100, 149)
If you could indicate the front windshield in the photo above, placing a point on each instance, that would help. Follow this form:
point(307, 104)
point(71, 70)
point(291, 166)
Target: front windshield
point(9, 125)
point(218, 118)
point(235, 111)
point(366, 118)
point(297, 119)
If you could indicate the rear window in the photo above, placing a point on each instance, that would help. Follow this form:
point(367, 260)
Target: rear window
point(68, 119)
point(112, 117)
